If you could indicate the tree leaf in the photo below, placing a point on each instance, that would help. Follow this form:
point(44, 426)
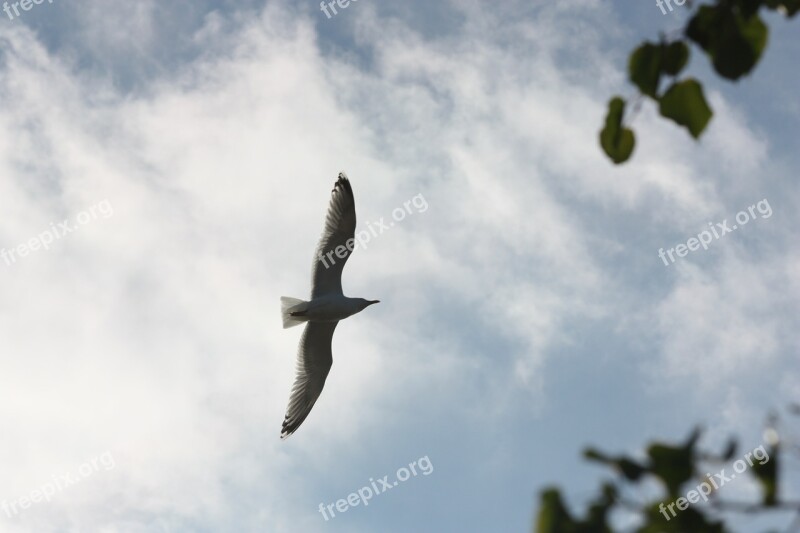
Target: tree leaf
point(701, 26)
point(660, 519)
point(674, 57)
point(748, 8)
point(673, 465)
point(596, 519)
point(740, 52)
point(685, 104)
point(627, 467)
point(733, 41)
point(644, 68)
point(553, 516)
point(616, 140)
point(789, 7)
point(767, 474)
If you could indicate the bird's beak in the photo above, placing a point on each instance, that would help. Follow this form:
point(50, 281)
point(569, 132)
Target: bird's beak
point(374, 302)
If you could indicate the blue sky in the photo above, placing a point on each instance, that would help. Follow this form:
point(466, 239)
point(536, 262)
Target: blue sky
point(525, 313)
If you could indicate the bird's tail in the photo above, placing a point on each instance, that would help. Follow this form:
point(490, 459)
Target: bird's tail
point(291, 309)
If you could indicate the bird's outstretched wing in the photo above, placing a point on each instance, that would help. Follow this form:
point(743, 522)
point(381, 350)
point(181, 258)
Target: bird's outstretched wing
point(314, 361)
point(338, 236)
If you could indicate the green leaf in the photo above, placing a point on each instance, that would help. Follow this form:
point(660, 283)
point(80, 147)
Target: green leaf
point(597, 516)
point(789, 7)
point(767, 474)
point(553, 516)
point(674, 57)
point(630, 469)
point(732, 40)
point(748, 8)
point(660, 519)
point(616, 140)
point(627, 467)
point(673, 465)
point(685, 104)
point(701, 26)
point(745, 49)
point(644, 68)
point(595, 455)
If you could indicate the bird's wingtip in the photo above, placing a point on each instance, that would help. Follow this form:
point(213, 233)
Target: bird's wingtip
point(287, 429)
point(343, 182)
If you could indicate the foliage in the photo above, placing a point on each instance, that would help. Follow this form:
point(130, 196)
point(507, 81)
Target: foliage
point(732, 35)
point(677, 469)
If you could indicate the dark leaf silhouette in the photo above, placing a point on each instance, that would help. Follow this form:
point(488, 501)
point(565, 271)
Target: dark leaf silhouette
point(685, 104)
point(617, 140)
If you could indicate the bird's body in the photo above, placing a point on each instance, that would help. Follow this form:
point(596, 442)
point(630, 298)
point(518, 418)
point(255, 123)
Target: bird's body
point(327, 306)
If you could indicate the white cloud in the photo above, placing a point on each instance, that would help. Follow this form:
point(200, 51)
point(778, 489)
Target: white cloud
point(723, 325)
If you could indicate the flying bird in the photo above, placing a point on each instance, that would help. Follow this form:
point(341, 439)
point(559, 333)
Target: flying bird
point(327, 306)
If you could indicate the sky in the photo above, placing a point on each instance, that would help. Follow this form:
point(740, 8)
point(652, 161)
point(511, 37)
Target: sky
point(166, 166)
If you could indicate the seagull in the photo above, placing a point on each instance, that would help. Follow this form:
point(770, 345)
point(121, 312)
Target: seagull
point(327, 306)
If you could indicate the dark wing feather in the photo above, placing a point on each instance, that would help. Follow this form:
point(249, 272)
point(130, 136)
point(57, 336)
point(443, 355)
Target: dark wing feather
point(339, 232)
point(314, 360)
